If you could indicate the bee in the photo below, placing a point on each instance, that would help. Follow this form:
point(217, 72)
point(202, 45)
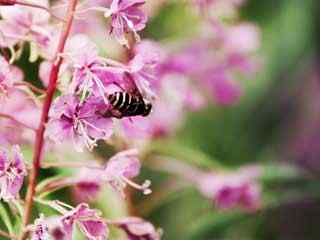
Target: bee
point(129, 103)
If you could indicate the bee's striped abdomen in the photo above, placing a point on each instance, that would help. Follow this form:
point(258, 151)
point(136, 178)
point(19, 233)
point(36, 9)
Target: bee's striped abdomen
point(128, 105)
point(126, 101)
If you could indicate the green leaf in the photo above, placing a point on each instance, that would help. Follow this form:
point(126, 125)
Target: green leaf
point(184, 153)
point(279, 172)
point(6, 218)
point(213, 221)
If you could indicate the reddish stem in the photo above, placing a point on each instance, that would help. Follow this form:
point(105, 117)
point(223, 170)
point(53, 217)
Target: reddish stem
point(45, 115)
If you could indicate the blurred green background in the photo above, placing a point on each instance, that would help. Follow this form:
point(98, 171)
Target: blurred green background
point(278, 108)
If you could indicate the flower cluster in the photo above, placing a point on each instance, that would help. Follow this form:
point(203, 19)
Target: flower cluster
point(84, 114)
point(62, 227)
point(82, 98)
point(91, 224)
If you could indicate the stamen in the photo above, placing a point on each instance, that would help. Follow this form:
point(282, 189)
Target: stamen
point(101, 88)
point(85, 86)
point(144, 187)
point(90, 143)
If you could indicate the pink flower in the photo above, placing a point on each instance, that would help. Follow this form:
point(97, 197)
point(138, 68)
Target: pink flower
point(240, 42)
point(90, 73)
point(222, 87)
point(88, 184)
point(143, 68)
point(117, 173)
point(243, 38)
point(82, 123)
point(214, 73)
point(137, 228)
point(49, 228)
point(89, 222)
point(41, 231)
point(12, 173)
point(190, 60)
point(8, 75)
point(126, 17)
point(49, 44)
point(21, 23)
point(230, 190)
point(61, 228)
point(121, 168)
point(44, 72)
point(19, 105)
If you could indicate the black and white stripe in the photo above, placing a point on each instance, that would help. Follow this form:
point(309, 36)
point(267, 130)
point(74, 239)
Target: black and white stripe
point(128, 105)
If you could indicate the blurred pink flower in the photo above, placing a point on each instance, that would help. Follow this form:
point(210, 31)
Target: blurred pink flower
point(21, 23)
point(242, 38)
point(204, 4)
point(126, 16)
point(12, 173)
point(222, 87)
point(213, 70)
point(229, 190)
point(88, 220)
point(149, 52)
point(44, 72)
point(48, 47)
point(137, 228)
point(241, 42)
point(214, 60)
point(121, 168)
point(20, 106)
point(88, 183)
point(8, 75)
point(82, 123)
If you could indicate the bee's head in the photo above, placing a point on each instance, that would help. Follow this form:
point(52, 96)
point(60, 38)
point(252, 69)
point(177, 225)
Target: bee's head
point(147, 108)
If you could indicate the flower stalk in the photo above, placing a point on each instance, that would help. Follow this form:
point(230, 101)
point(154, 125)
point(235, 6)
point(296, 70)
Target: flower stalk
point(6, 235)
point(45, 114)
point(30, 86)
point(3, 115)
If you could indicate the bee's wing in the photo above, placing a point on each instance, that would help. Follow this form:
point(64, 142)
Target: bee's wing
point(131, 86)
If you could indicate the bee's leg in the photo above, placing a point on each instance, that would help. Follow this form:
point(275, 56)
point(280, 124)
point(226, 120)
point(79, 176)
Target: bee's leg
point(115, 113)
